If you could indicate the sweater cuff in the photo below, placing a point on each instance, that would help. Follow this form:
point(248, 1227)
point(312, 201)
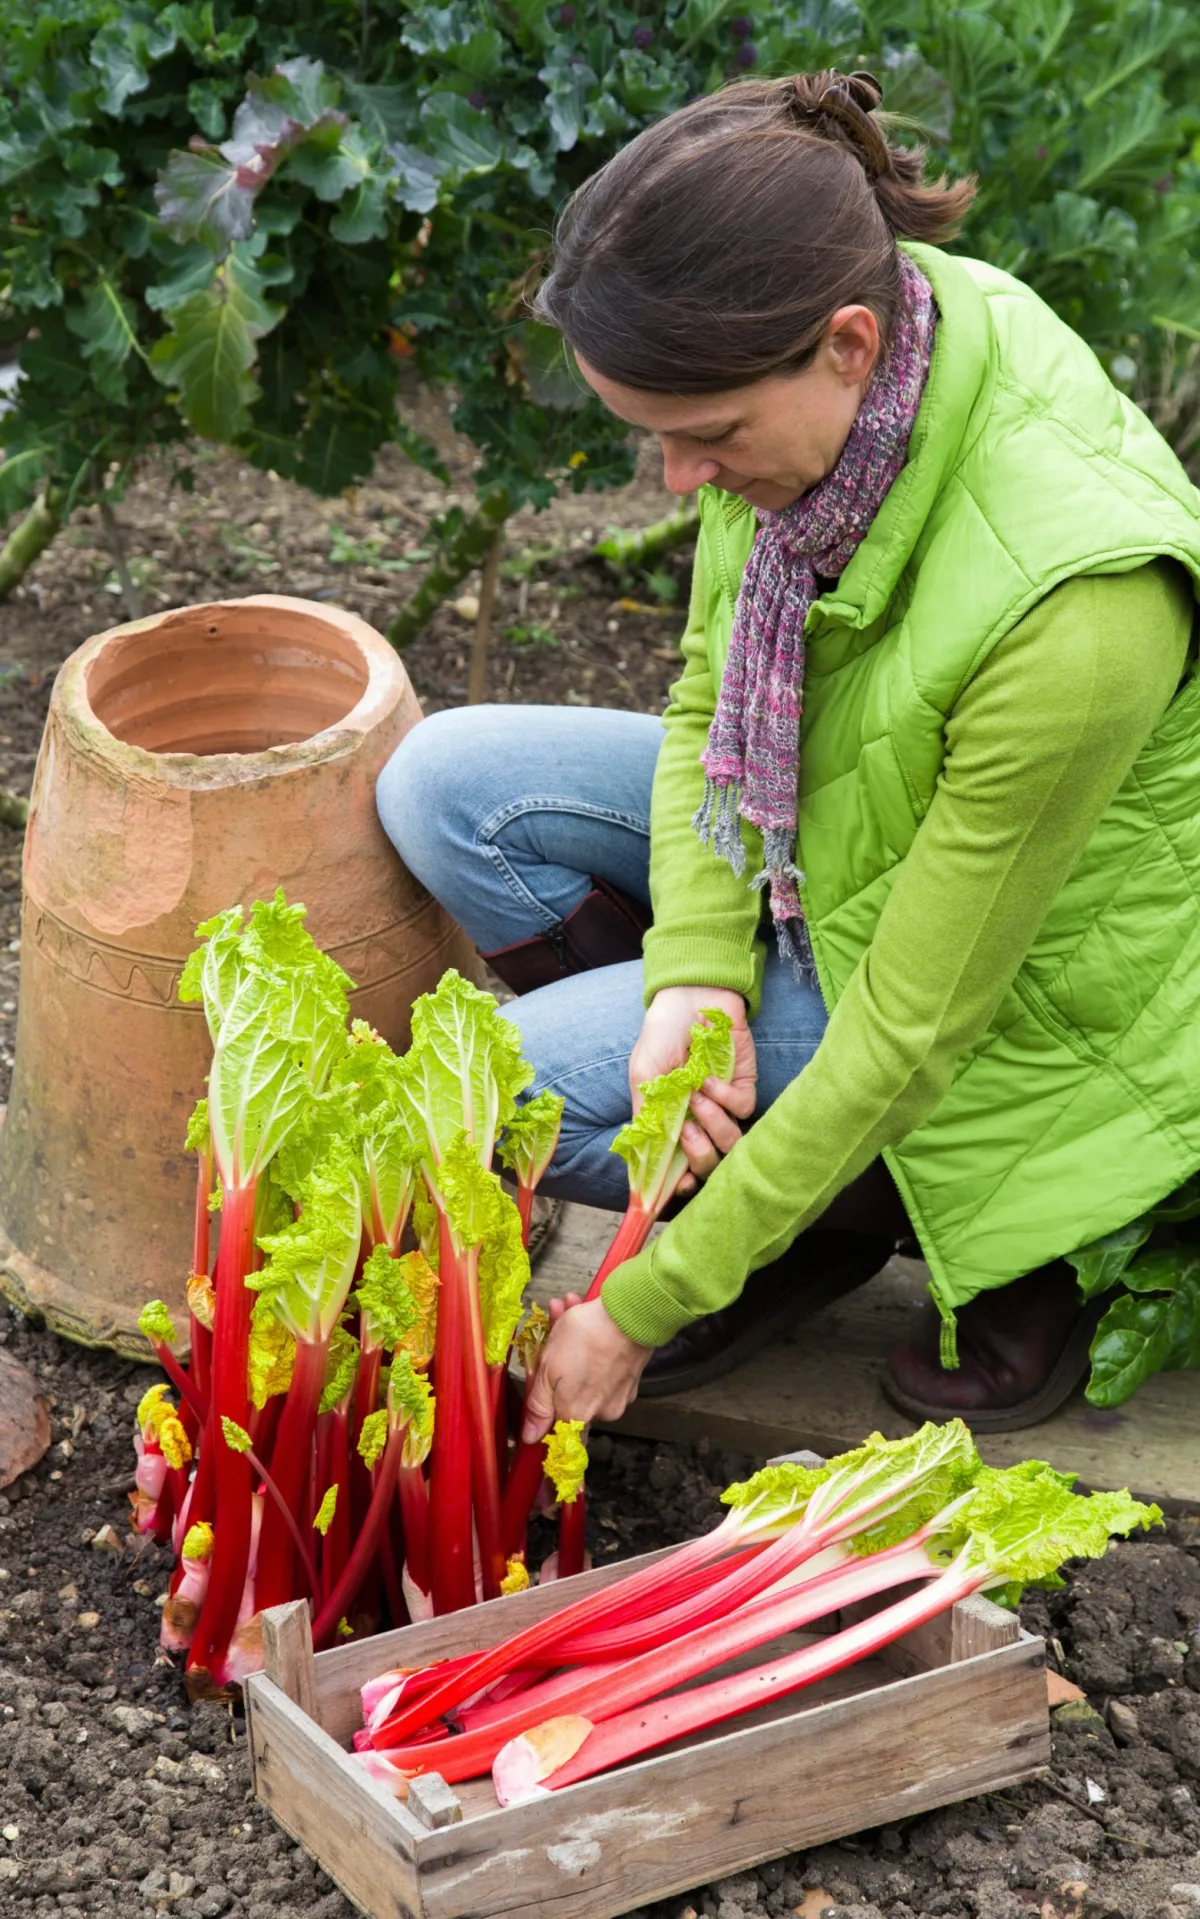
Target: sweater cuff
point(699, 959)
point(640, 1305)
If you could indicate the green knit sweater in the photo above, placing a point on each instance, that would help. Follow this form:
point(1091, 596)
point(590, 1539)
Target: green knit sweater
point(1037, 745)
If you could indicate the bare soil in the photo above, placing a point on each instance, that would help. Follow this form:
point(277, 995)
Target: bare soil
point(115, 1795)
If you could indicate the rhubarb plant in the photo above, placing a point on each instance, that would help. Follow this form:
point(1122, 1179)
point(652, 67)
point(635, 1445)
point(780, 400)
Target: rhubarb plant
point(303, 1455)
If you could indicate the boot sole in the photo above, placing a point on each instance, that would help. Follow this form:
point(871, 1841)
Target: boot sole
point(790, 1312)
point(1069, 1372)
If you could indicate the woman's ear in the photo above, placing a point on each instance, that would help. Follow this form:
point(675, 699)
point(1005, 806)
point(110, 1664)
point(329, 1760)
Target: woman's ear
point(852, 343)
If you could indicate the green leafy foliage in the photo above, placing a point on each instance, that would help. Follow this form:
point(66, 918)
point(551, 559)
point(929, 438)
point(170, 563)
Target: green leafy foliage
point(245, 224)
point(1153, 1325)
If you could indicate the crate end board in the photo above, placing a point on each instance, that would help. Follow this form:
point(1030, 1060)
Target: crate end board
point(671, 1821)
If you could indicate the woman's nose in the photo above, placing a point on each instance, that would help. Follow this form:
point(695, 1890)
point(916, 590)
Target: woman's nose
point(683, 472)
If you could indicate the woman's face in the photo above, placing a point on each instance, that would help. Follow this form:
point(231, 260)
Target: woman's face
point(769, 442)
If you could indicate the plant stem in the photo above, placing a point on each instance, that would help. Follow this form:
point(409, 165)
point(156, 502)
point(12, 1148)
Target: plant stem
point(29, 538)
point(183, 1385)
point(571, 1549)
point(298, 1539)
point(639, 1729)
point(628, 1239)
point(231, 1501)
point(116, 546)
point(485, 1472)
point(360, 1559)
point(464, 550)
point(451, 1572)
point(527, 1469)
point(414, 1504)
point(477, 675)
point(290, 1459)
point(636, 547)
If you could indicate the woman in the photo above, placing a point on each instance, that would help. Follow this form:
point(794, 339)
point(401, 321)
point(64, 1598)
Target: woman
point(936, 742)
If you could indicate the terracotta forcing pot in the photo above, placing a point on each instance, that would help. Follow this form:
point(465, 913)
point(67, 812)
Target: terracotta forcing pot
point(190, 761)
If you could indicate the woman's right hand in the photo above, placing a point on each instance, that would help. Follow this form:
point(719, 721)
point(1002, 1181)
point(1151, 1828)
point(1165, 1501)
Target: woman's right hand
point(712, 1128)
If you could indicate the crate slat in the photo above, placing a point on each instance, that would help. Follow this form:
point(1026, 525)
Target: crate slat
point(669, 1823)
point(956, 1708)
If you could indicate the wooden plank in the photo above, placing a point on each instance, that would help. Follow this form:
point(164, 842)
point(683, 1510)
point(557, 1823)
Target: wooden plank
point(660, 1826)
point(972, 1626)
point(340, 1672)
point(819, 1388)
point(288, 1653)
point(978, 1625)
point(349, 1822)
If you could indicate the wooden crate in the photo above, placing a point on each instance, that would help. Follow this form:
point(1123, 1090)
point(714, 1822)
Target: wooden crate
point(956, 1708)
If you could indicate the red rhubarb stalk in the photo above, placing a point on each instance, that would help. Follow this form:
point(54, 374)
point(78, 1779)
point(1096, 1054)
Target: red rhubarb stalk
point(231, 1335)
point(485, 1475)
point(339, 1601)
point(336, 1549)
point(451, 1570)
point(290, 1461)
point(1019, 1526)
point(606, 1693)
point(414, 1504)
point(614, 1602)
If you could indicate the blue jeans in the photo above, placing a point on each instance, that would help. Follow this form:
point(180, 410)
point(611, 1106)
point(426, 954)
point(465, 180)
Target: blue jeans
point(506, 814)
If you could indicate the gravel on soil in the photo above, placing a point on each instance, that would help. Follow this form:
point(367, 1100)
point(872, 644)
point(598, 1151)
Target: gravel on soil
point(115, 1795)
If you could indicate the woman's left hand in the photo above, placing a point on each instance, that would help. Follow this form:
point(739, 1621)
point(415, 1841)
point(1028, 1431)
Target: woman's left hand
point(589, 1368)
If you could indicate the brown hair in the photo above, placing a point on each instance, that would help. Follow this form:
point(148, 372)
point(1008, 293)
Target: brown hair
point(712, 251)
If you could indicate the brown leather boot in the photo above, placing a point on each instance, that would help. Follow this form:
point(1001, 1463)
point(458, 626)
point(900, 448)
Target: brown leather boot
point(819, 1267)
point(604, 929)
point(1022, 1350)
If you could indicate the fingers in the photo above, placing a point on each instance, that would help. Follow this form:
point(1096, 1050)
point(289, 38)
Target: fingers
point(720, 1125)
point(539, 1408)
point(736, 1096)
point(702, 1155)
point(557, 1307)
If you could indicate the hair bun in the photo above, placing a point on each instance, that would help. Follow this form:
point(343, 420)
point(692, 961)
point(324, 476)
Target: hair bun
point(849, 99)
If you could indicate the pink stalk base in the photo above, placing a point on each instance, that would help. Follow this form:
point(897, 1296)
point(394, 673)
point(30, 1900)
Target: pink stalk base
point(629, 1734)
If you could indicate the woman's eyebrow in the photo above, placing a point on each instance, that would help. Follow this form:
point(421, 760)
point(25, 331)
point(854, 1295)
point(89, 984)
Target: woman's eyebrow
point(701, 430)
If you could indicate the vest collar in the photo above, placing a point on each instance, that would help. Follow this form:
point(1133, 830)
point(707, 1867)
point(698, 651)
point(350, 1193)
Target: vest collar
point(954, 406)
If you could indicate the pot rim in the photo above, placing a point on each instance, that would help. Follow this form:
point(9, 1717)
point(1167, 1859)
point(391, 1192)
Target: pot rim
point(386, 682)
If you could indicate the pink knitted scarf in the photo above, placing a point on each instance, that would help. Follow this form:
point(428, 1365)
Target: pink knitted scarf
point(752, 759)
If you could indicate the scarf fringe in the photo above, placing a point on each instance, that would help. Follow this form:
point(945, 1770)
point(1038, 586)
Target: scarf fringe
point(717, 826)
point(795, 947)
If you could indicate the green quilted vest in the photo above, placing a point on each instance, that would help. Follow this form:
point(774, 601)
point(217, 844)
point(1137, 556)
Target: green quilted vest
point(1080, 1107)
